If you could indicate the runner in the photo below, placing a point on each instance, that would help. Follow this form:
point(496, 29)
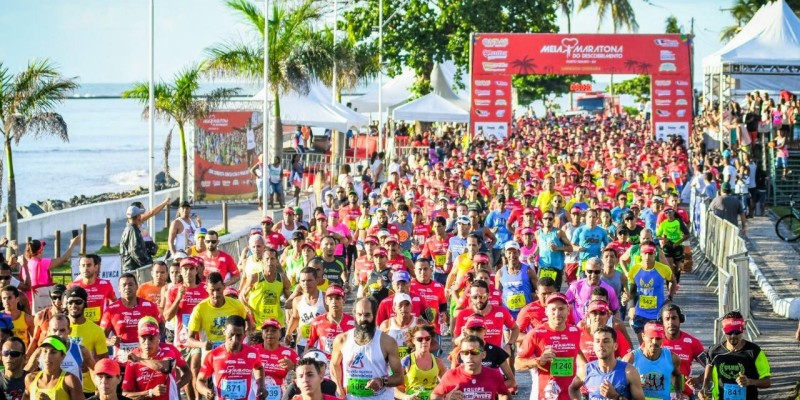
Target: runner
point(216, 260)
point(362, 358)
point(183, 228)
point(334, 268)
point(263, 288)
point(736, 368)
point(495, 356)
point(432, 292)
point(659, 368)
point(533, 314)
point(100, 291)
point(402, 320)
point(471, 380)
point(552, 352)
point(12, 379)
point(422, 369)
point(589, 239)
point(78, 359)
point(515, 280)
point(234, 368)
point(606, 377)
point(304, 309)
point(687, 347)
point(120, 320)
point(52, 382)
point(23, 322)
point(580, 291)
point(648, 281)
point(277, 360)
point(673, 232)
point(310, 377)
point(85, 332)
point(495, 318)
point(155, 370)
point(325, 327)
point(599, 315)
point(551, 247)
point(401, 284)
point(151, 291)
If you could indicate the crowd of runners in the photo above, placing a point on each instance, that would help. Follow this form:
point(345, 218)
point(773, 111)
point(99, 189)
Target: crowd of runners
point(462, 268)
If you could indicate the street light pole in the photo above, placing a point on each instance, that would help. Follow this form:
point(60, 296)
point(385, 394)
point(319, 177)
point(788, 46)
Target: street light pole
point(334, 88)
point(151, 105)
point(265, 110)
point(380, 75)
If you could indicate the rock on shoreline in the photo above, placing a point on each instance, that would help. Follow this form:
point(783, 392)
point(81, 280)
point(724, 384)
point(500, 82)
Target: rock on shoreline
point(48, 205)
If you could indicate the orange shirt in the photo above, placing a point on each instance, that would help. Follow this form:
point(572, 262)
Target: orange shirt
point(150, 292)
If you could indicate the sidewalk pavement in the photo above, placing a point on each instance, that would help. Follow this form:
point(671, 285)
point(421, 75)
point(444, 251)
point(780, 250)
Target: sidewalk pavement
point(775, 266)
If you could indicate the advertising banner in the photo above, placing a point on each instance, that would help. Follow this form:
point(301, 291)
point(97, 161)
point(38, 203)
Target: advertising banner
point(665, 57)
point(491, 105)
point(226, 146)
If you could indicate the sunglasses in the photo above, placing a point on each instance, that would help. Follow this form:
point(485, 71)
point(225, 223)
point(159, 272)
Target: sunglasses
point(12, 353)
point(479, 297)
point(473, 352)
point(734, 333)
point(423, 339)
point(592, 271)
point(549, 218)
point(75, 302)
point(212, 241)
point(55, 298)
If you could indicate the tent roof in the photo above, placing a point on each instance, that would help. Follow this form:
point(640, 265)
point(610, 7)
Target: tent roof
point(316, 109)
point(431, 108)
point(771, 37)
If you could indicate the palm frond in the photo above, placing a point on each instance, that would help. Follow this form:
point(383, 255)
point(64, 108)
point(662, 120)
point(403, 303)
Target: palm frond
point(42, 124)
point(234, 59)
point(729, 32)
point(249, 13)
point(46, 95)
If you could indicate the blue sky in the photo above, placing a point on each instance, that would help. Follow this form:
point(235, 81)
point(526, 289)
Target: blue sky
point(104, 41)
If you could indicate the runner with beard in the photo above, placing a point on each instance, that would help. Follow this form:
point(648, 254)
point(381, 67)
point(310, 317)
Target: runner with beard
point(533, 314)
point(687, 347)
point(659, 368)
point(551, 247)
point(216, 260)
point(606, 377)
point(363, 358)
point(471, 380)
point(382, 223)
point(100, 291)
point(495, 318)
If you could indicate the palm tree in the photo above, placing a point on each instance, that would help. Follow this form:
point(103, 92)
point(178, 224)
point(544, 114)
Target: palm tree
point(672, 25)
point(179, 102)
point(355, 62)
point(742, 11)
point(295, 59)
point(621, 13)
point(567, 6)
point(27, 104)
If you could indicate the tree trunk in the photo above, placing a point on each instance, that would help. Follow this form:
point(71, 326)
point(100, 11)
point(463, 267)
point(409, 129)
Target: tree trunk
point(11, 213)
point(184, 166)
point(276, 143)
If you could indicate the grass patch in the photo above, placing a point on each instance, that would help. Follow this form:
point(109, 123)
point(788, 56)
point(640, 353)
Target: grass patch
point(161, 240)
point(108, 250)
point(781, 210)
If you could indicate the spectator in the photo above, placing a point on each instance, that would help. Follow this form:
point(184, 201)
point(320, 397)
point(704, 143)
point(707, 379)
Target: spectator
point(132, 248)
point(728, 207)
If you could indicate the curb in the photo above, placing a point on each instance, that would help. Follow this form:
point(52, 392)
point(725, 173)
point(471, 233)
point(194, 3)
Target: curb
point(787, 307)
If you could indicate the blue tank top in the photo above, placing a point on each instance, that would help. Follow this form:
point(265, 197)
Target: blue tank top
point(656, 375)
point(549, 258)
point(516, 289)
point(595, 377)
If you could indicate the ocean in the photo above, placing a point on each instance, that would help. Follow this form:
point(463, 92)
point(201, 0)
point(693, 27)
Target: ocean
point(107, 150)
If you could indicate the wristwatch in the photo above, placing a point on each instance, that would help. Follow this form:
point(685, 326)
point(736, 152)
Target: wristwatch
point(385, 381)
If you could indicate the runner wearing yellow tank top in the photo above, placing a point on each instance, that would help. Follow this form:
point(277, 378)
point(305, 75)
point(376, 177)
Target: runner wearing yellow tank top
point(422, 369)
point(23, 322)
point(53, 382)
point(263, 290)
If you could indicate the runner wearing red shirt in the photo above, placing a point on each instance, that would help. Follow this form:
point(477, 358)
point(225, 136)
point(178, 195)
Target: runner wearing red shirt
point(216, 260)
point(325, 327)
point(430, 290)
point(436, 246)
point(232, 367)
point(382, 224)
point(687, 347)
point(182, 299)
point(471, 380)
point(364, 265)
point(277, 360)
point(122, 316)
point(140, 380)
point(351, 212)
point(598, 315)
point(396, 260)
point(551, 352)
point(100, 291)
point(495, 317)
point(533, 314)
point(276, 240)
point(495, 297)
point(420, 233)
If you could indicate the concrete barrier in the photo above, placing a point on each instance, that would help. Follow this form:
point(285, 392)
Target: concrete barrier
point(44, 225)
point(783, 306)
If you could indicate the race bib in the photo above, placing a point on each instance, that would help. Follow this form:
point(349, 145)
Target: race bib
point(185, 320)
point(648, 302)
point(439, 259)
point(423, 394)
point(271, 310)
point(92, 313)
point(733, 391)
point(233, 388)
point(516, 301)
point(125, 349)
point(273, 392)
point(562, 366)
point(403, 350)
point(305, 331)
point(358, 387)
point(548, 273)
point(329, 344)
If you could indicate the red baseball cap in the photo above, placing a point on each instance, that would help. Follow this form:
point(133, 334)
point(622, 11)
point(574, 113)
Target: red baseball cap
point(654, 330)
point(601, 306)
point(553, 297)
point(480, 258)
point(334, 290)
point(380, 251)
point(148, 326)
point(475, 323)
point(107, 366)
point(271, 323)
point(648, 249)
point(392, 238)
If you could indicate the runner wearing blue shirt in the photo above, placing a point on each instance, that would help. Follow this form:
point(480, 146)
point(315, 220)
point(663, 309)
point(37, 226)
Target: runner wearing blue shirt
point(496, 221)
point(589, 239)
point(621, 208)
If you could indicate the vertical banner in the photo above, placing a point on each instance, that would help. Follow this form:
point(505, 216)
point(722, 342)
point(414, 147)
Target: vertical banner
point(227, 145)
point(491, 106)
point(664, 57)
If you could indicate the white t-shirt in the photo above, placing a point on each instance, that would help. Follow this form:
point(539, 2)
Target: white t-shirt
point(729, 173)
point(751, 183)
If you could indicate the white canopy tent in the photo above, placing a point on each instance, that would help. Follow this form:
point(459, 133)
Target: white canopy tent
point(764, 55)
point(316, 109)
point(441, 105)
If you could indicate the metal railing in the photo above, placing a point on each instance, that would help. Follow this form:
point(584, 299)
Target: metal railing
point(721, 257)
